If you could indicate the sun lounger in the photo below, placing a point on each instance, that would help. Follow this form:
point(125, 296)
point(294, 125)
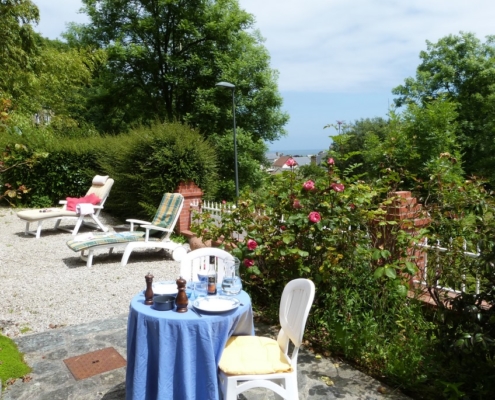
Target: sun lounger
point(100, 188)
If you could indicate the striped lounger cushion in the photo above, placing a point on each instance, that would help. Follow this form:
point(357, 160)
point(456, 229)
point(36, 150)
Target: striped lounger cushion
point(84, 242)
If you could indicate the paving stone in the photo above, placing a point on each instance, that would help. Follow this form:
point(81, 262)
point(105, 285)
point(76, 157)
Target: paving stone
point(51, 379)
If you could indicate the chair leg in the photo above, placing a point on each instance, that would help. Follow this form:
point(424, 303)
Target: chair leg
point(38, 229)
point(26, 231)
point(127, 253)
point(78, 225)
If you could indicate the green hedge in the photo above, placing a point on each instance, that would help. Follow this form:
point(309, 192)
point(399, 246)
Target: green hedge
point(150, 161)
point(145, 163)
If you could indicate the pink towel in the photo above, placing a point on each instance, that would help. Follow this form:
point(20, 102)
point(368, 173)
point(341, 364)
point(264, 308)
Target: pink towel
point(72, 202)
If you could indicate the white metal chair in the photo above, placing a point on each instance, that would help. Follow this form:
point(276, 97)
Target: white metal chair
point(250, 361)
point(198, 261)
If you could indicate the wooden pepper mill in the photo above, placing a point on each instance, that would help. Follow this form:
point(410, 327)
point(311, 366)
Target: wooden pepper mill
point(181, 300)
point(148, 294)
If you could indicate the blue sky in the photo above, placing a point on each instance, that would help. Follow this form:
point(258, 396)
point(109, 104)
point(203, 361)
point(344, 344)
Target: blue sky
point(337, 59)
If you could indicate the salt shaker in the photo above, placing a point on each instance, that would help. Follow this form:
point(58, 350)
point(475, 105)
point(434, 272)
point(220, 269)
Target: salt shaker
point(148, 294)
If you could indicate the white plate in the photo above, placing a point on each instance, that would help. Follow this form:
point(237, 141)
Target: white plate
point(166, 287)
point(216, 303)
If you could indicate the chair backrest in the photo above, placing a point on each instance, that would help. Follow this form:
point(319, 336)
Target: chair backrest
point(168, 211)
point(198, 261)
point(101, 188)
point(296, 301)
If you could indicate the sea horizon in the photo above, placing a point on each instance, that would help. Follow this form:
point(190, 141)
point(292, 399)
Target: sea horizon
point(299, 152)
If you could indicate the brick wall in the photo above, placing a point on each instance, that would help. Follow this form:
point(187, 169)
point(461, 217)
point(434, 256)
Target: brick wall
point(192, 198)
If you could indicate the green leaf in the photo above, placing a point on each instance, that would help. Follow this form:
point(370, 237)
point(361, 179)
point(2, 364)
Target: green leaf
point(390, 272)
point(379, 272)
point(402, 290)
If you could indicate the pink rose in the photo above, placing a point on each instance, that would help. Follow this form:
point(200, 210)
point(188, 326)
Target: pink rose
point(251, 244)
point(224, 202)
point(314, 217)
point(338, 187)
point(291, 162)
point(248, 263)
point(296, 204)
point(331, 161)
point(309, 185)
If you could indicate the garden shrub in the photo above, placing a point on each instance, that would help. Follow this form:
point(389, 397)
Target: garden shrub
point(331, 229)
point(145, 163)
point(150, 161)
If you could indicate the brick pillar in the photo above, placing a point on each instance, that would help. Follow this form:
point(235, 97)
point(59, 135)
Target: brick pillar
point(408, 213)
point(192, 199)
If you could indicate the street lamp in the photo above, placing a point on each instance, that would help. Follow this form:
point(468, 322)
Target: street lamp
point(232, 87)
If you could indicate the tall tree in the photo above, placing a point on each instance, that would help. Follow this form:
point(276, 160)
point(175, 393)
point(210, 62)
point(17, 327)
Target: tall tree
point(18, 44)
point(165, 57)
point(460, 69)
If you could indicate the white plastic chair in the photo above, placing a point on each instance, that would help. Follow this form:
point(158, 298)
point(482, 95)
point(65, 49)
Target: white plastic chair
point(198, 261)
point(101, 186)
point(295, 304)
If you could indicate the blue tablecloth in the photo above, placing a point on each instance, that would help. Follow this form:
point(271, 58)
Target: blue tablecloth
point(173, 355)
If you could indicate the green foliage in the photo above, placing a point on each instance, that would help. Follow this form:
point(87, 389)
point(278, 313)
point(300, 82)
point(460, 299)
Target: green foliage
point(462, 213)
point(460, 69)
point(12, 365)
point(405, 146)
point(164, 59)
point(332, 230)
point(47, 167)
point(150, 161)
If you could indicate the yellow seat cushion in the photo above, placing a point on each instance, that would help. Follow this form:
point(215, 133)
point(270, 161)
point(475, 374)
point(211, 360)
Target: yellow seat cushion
point(253, 355)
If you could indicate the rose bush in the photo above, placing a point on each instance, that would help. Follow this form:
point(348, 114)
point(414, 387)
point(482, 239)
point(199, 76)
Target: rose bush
point(332, 234)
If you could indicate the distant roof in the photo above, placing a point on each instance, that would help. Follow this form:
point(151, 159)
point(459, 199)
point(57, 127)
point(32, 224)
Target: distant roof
point(280, 162)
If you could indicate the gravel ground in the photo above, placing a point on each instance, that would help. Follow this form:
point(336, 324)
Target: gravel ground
point(45, 285)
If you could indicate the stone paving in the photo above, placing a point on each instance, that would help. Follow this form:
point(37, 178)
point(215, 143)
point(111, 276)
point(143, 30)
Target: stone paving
point(51, 380)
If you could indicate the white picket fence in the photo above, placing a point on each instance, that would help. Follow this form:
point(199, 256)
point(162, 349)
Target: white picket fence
point(217, 209)
point(439, 250)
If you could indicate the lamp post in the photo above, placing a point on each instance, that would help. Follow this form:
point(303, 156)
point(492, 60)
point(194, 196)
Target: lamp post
point(232, 87)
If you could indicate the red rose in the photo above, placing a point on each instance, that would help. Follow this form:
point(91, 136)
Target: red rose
point(248, 263)
point(291, 162)
point(251, 244)
point(338, 187)
point(309, 185)
point(283, 228)
point(314, 217)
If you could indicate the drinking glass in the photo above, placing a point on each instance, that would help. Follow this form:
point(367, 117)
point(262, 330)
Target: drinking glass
point(231, 283)
point(200, 289)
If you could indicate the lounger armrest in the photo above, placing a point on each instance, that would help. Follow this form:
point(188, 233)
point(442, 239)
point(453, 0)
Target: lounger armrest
point(64, 203)
point(155, 228)
point(138, 222)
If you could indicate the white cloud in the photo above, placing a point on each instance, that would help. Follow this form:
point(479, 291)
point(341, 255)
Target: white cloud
point(358, 45)
point(337, 45)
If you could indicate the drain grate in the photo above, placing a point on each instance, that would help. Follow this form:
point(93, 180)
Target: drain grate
point(94, 363)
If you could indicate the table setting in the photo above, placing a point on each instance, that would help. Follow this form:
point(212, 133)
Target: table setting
point(176, 334)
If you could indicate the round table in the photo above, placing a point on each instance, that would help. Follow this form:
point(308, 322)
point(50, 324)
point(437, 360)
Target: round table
point(173, 355)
